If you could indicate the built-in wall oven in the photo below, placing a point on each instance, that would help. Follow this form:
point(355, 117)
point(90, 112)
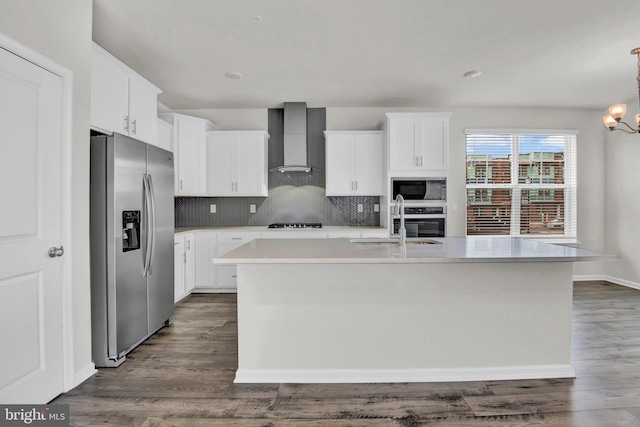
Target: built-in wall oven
point(423, 221)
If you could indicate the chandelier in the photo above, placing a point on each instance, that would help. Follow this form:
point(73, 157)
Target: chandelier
point(616, 112)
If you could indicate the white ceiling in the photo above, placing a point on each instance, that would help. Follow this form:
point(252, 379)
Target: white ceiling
point(377, 53)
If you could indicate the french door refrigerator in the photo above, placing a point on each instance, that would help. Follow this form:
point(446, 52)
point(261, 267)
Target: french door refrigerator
point(132, 226)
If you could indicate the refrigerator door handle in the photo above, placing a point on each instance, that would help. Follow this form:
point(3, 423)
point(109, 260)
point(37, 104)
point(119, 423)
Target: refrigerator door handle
point(152, 227)
point(148, 200)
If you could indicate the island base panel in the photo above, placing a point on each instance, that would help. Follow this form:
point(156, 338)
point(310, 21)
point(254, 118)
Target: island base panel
point(399, 322)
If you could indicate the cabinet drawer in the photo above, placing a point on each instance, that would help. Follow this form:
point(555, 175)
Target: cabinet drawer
point(239, 238)
point(226, 276)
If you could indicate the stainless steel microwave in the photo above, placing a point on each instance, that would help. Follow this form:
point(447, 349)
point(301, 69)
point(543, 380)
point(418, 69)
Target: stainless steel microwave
point(428, 189)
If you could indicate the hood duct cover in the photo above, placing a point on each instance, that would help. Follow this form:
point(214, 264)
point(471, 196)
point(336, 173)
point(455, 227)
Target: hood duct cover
point(295, 138)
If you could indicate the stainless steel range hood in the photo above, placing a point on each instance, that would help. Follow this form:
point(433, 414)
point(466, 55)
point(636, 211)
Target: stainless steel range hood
point(295, 138)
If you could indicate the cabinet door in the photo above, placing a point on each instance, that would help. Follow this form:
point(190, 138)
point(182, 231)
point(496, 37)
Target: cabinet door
point(339, 169)
point(433, 154)
point(178, 267)
point(403, 149)
point(189, 263)
point(226, 274)
point(143, 111)
point(191, 157)
point(109, 96)
point(248, 160)
point(368, 169)
point(221, 168)
point(205, 271)
point(164, 135)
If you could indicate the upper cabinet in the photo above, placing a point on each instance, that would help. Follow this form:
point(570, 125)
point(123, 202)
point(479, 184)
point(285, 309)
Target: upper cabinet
point(189, 153)
point(354, 163)
point(418, 141)
point(164, 135)
point(121, 100)
point(237, 163)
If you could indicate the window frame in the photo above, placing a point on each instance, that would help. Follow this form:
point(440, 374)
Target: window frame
point(569, 185)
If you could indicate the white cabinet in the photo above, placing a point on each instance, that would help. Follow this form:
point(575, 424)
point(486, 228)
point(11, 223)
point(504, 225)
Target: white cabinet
point(212, 277)
point(189, 152)
point(237, 163)
point(164, 135)
point(226, 274)
point(121, 100)
point(205, 253)
point(354, 162)
point(184, 265)
point(417, 141)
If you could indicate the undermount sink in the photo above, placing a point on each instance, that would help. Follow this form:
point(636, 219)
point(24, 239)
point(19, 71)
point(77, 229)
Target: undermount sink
point(391, 241)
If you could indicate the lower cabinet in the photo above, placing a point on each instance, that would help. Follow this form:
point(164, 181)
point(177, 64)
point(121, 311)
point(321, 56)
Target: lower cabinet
point(212, 277)
point(226, 278)
point(202, 275)
point(184, 265)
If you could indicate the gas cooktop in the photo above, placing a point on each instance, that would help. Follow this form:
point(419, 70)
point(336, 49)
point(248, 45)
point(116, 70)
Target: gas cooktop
point(295, 225)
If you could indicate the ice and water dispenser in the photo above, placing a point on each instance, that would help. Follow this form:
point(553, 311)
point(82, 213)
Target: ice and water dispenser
point(130, 230)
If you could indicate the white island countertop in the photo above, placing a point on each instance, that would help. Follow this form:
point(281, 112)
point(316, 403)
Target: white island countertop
point(445, 250)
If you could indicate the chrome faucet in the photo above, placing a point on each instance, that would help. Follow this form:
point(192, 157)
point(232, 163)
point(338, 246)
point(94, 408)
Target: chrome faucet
point(402, 231)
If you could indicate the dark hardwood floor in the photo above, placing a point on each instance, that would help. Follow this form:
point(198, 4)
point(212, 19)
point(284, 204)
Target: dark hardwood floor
point(183, 376)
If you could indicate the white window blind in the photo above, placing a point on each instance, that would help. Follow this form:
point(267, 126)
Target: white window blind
point(521, 183)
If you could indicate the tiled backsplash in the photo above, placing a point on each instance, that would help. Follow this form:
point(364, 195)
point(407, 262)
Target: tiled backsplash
point(295, 197)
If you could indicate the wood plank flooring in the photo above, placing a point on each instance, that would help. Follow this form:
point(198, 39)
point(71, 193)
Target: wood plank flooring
point(183, 376)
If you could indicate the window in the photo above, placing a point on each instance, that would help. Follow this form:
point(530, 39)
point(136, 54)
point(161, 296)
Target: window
point(521, 183)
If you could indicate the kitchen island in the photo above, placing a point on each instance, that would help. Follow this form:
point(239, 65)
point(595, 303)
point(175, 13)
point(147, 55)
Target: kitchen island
point(365, 310)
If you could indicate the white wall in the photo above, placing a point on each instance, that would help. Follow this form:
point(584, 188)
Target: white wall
point(622, 203)
point(61, 31)
point(233, 118)
point(591, 154)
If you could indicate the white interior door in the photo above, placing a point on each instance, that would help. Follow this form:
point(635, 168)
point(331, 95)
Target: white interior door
point(31, 360)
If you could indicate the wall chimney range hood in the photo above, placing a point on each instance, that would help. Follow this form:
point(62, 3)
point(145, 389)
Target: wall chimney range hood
point(295, 138)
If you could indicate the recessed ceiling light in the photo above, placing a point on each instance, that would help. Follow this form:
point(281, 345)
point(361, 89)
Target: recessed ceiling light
point(257, 19)
point(472, 74)
point(234, 75)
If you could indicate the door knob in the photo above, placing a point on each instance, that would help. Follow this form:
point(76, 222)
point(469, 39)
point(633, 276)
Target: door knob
point(54, 252)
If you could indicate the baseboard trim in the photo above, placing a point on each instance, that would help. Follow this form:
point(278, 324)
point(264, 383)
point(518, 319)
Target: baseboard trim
point(589, 277)
point(615, 280)
point(402, 375)
point(84, 374)
point(623, 282)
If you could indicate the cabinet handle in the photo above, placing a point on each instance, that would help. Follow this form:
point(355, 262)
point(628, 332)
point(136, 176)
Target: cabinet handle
point(356, 185)
point(126, 123)
point(188, 245)
point(133, 125)
point(180, 185)
point(420, 159)
point(236, 238)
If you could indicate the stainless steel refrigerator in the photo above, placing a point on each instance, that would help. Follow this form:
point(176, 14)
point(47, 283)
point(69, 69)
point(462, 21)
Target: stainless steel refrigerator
point(132, 226)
